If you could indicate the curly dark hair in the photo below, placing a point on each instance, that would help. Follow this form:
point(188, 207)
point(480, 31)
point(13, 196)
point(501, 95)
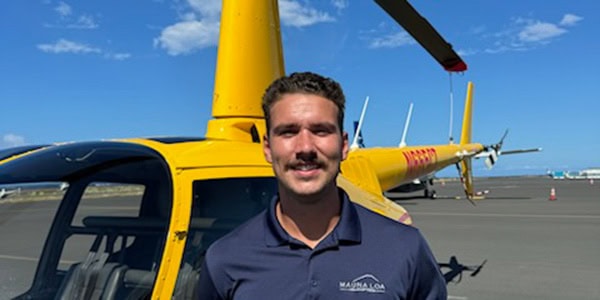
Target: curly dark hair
point(304, 83)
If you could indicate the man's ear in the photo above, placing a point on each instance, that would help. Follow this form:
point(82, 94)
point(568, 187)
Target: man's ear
point(345, 145)
point(267, 149)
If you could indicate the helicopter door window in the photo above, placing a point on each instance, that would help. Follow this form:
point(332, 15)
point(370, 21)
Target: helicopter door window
point(219, 205)
point(101, 200)
point(109, 199)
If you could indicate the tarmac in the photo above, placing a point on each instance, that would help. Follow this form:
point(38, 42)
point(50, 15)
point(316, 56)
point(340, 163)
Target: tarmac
point(535, 248)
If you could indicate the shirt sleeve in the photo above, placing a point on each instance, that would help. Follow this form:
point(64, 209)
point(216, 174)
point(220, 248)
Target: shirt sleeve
point(206, 290)
point(428, 281)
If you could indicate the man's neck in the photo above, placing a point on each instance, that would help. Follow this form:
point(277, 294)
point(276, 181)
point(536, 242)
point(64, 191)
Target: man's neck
point(309, 221)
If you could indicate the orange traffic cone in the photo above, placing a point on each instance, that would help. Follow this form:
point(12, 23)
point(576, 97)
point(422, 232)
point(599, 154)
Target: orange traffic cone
point(552, 194)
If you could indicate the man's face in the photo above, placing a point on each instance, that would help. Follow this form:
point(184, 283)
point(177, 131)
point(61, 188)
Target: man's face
point(305, 144)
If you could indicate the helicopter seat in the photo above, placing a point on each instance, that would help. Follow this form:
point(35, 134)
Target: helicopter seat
point(111, 270)
point(93, 278)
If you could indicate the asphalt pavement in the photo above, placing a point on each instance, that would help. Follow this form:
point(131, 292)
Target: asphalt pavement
point(536, 248)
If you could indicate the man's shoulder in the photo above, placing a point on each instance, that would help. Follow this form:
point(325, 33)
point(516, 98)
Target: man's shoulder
point(392, 239)
point(372, 221)
point(245, 235)
point(378, 219)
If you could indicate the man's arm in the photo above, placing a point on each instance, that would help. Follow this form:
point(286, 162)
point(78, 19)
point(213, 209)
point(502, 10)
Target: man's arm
point(206, 290)
point(428, 281)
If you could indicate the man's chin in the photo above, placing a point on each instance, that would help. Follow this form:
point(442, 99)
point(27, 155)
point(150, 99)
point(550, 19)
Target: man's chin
point(308, 193)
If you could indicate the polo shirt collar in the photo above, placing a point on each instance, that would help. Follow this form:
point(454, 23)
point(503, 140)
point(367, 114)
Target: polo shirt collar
point(347, 229)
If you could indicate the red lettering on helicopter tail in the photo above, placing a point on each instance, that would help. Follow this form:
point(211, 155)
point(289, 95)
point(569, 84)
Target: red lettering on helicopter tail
point(420, 161)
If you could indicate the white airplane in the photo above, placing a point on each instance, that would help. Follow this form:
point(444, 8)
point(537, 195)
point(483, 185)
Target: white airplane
point(4, 192)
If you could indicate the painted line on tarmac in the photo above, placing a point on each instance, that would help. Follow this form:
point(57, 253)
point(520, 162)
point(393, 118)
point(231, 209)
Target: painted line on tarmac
point(11, 257)
point(99, 207)
point(457, 297)
point(507, 215)
point(34, 259)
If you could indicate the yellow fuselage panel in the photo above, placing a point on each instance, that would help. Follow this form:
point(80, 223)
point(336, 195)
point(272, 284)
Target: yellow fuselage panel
point(359, 170)
point(247, 130)
point(222, 153)
point(374, 201)
point(208, 153)
point(249, 57)
point(396, 166)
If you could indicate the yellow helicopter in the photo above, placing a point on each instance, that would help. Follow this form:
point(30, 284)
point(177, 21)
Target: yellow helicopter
point(132, 218)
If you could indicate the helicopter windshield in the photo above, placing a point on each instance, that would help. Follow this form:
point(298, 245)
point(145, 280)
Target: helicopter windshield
point(104, 208)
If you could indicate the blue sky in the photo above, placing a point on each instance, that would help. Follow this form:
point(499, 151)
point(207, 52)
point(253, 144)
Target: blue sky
point(88, 70)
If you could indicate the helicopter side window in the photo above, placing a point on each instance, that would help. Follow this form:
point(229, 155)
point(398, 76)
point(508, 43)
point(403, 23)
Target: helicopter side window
point(219, 206)
point(101, 200)
point(124, 226)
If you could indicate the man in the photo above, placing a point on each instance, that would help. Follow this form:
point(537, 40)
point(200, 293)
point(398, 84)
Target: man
point(312, 242)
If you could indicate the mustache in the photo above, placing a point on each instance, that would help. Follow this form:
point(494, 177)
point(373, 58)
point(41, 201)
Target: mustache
point(306, 158)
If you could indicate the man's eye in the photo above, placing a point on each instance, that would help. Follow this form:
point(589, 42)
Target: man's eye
point(287, 133)
point(322, 131)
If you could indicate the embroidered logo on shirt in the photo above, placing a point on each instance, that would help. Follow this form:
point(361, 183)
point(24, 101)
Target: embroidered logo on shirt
point(366, 283)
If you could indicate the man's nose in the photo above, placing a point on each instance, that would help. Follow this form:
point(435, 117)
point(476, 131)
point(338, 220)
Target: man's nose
point(305, 146)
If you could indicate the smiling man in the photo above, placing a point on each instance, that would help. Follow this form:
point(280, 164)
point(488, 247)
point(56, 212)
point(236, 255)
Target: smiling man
point(312, 242)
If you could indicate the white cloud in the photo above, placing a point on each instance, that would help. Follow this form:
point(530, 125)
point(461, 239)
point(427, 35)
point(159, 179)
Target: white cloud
point(527, 34)
point(207, 8)
point(186, 37)
point(570, 20)
point(499, 49)
point(292, 13)
point(540, 31)
point(117, 56)
point(63, 9)
point(12, 140)
point(66, 46)
point(478, 30)
point(68, 19)
point(467, 52)
point(84, 22)
point(340, 4)
point(189, 16)
point(393, 40)
point(199, 28)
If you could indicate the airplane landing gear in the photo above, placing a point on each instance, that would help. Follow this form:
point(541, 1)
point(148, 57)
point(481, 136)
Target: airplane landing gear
point(431, 194)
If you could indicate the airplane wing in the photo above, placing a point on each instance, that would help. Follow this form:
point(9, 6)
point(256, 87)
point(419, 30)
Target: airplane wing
point(420, 29)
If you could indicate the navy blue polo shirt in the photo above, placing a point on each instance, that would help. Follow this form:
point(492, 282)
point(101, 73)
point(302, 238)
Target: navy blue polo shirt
point(366, 256)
